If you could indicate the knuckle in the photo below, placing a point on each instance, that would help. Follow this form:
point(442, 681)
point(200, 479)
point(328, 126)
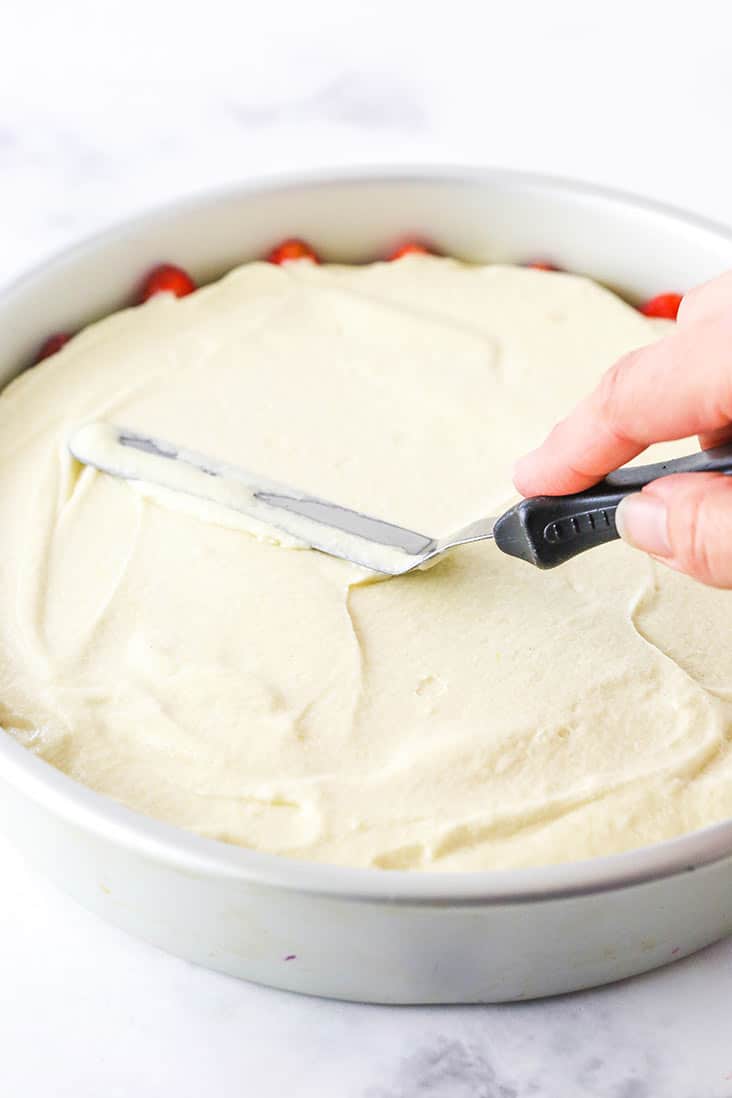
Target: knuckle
point(690, 304)
point(695, 529)
point(613, 395)
point(699, 549)
point(720, 377)
point(710, 297)
point(723, 327)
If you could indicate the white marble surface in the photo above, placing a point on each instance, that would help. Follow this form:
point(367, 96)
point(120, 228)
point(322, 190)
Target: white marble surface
point(109, 107)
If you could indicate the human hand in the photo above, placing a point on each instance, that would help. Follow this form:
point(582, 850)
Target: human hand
point(679, 386)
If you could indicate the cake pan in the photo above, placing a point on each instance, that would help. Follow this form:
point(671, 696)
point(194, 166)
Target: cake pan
point(363, 934)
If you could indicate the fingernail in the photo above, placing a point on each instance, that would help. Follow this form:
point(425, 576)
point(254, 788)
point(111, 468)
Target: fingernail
point(642, 521)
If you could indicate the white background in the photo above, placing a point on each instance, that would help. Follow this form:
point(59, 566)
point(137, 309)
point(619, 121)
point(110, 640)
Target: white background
point(109, 107)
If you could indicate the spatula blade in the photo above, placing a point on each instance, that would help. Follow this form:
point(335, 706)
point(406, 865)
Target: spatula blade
point(339, 531)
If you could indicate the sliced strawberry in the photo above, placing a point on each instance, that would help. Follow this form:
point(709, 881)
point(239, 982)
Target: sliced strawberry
point(54, 343)
point(542, 265)
point(166, 279)
point(290, 250)
point(665, 306)
point(409, 247)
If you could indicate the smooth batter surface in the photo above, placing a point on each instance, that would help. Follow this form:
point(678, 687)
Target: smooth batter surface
point(479, 714)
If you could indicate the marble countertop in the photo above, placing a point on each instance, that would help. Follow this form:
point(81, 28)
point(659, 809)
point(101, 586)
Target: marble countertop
point(108, 108)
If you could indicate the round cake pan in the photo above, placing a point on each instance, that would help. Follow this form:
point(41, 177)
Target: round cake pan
point(374, 935)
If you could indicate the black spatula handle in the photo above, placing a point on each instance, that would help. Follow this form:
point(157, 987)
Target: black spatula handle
point(549, 530)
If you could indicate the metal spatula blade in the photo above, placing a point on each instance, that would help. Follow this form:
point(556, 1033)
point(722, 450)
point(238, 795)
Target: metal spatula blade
point(339, 531)
point(545, 530)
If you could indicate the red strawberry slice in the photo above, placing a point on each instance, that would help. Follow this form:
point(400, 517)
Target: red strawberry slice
point(409, 247)
point(54, 343)
point(665, 306)
point(290, 250)
point(166, 279)
point(542, 265)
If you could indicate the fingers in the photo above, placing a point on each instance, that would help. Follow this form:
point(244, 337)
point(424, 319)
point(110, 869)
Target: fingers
point(685, 521)
point(706, 301)
point(677, 387)
point(709, 439)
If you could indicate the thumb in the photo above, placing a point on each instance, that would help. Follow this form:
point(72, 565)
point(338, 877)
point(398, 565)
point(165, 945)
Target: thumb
point(685, 521)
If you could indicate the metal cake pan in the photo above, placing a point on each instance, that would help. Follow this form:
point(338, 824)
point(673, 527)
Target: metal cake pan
point(363, 934)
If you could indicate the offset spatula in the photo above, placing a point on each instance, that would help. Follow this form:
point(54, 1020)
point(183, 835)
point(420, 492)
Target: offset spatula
point(545, 531)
